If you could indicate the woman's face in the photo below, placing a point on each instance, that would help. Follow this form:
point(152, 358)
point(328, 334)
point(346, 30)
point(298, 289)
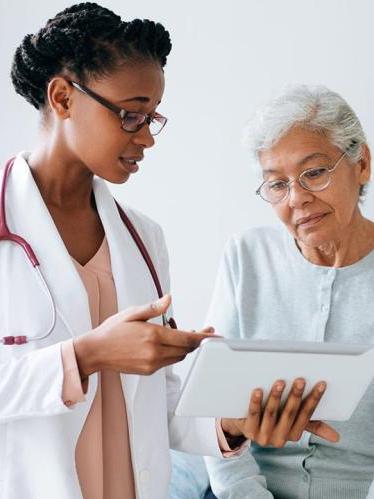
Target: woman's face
point(315, 218)
point(93, 133)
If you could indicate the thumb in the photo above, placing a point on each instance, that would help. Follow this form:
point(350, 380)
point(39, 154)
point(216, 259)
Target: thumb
point(148, 311)
point(323, 430)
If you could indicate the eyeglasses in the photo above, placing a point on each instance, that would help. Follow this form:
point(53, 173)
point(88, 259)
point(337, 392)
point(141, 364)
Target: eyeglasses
point(131, 122)
point(312, 179)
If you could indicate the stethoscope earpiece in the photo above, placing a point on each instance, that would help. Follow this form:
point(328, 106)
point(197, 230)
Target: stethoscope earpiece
point(14, 340)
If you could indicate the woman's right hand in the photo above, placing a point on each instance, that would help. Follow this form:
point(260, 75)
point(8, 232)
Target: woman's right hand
point(127, 343)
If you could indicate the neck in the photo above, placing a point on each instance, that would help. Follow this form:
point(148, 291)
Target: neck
point(63, 181)
point(356, 242)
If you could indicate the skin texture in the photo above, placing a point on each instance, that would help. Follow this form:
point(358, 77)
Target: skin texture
point(342, 236)
point(126, 342)
point(275, 426)
point(80, 139)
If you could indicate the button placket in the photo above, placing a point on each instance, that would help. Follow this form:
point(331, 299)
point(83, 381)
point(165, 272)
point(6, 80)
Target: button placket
point(328, 278)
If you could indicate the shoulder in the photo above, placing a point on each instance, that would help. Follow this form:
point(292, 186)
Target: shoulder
point(257, 240)
point(255, 250)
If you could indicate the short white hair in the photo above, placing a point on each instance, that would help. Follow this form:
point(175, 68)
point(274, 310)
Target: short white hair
point(310, 107)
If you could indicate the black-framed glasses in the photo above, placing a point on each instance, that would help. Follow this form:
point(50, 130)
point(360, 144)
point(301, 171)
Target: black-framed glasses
point(312, 179)
point(131, 122)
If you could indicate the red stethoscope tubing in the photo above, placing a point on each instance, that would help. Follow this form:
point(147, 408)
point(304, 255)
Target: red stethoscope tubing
point(7, 235)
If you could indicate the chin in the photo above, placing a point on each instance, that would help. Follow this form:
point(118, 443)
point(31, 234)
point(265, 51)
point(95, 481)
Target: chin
point(120, 178)
point(314, 240)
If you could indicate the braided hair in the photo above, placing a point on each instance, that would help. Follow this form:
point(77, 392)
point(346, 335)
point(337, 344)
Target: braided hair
point(87, 40)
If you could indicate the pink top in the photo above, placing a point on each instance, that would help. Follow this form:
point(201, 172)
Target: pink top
point(103, 456)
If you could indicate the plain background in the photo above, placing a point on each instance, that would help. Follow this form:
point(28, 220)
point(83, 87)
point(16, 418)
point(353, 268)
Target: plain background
point(227, 58)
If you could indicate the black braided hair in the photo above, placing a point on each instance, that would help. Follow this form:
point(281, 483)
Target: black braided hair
point(86, 40)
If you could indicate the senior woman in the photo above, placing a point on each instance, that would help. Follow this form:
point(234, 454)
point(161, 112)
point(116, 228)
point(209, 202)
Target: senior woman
point(310, 279)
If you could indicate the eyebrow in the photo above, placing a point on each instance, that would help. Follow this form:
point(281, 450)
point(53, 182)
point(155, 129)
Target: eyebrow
point(313, 156)
point(310, 157)
point(141, 99)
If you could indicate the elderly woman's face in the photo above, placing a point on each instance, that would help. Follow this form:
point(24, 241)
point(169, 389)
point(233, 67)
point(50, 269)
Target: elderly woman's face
point(315, 218)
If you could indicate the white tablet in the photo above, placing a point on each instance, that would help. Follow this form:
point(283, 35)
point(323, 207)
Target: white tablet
point(224, 373)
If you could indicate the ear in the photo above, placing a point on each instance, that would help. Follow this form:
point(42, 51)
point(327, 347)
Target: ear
point(365, 165)
point(59, 92)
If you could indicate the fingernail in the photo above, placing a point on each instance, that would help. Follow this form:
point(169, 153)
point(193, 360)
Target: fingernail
point(157, 303)
point(279, 387)
point(322, 387)
point(300, 384)
point(257, 394)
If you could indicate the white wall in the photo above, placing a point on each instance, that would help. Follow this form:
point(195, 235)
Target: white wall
point(228, 57)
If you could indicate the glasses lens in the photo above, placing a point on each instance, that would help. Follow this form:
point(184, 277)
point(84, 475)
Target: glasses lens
point(315, 179)
point(157, 124)
point(274, 191)
point(133, 121)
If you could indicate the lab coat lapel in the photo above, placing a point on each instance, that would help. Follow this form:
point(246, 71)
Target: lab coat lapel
point(29, 217)
point(133, 282)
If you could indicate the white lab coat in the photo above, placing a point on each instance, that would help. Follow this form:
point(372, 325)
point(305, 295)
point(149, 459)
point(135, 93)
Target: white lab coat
point(38, 433)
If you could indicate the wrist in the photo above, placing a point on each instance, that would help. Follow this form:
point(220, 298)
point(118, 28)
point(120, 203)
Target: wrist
point(230, 428)
point(233, 434)
point(86, 355)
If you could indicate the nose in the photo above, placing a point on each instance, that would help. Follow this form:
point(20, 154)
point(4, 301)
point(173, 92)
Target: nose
point(299, 196)
point(143, 137)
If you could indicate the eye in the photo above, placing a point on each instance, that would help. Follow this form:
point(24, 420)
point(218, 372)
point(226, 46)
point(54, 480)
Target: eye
point(315, 173)
point(134, 119)
point(277, 185)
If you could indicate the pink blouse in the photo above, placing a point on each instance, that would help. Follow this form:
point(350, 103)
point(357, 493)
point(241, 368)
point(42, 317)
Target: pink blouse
point(103, 456)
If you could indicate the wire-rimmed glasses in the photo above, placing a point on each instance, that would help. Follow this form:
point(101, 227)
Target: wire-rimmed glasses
point(312, 179)
point(131, 122)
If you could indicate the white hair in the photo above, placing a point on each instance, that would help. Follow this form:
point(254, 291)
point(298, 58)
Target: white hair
point(310, 107)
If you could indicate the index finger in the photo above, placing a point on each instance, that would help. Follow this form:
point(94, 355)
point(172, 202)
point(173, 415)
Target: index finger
point(176, 337)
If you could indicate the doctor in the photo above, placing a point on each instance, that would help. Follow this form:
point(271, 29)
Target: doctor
point(72, 425)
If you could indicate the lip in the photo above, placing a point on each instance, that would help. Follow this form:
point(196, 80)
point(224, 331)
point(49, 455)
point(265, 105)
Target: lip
point(130, 163)
point(310, 219)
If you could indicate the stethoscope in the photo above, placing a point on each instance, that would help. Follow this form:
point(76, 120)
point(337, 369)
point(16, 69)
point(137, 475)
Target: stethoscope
point(7, 235)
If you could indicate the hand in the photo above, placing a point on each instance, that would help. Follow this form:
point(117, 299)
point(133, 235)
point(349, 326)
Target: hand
point(125, 342)
point(275, 426)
